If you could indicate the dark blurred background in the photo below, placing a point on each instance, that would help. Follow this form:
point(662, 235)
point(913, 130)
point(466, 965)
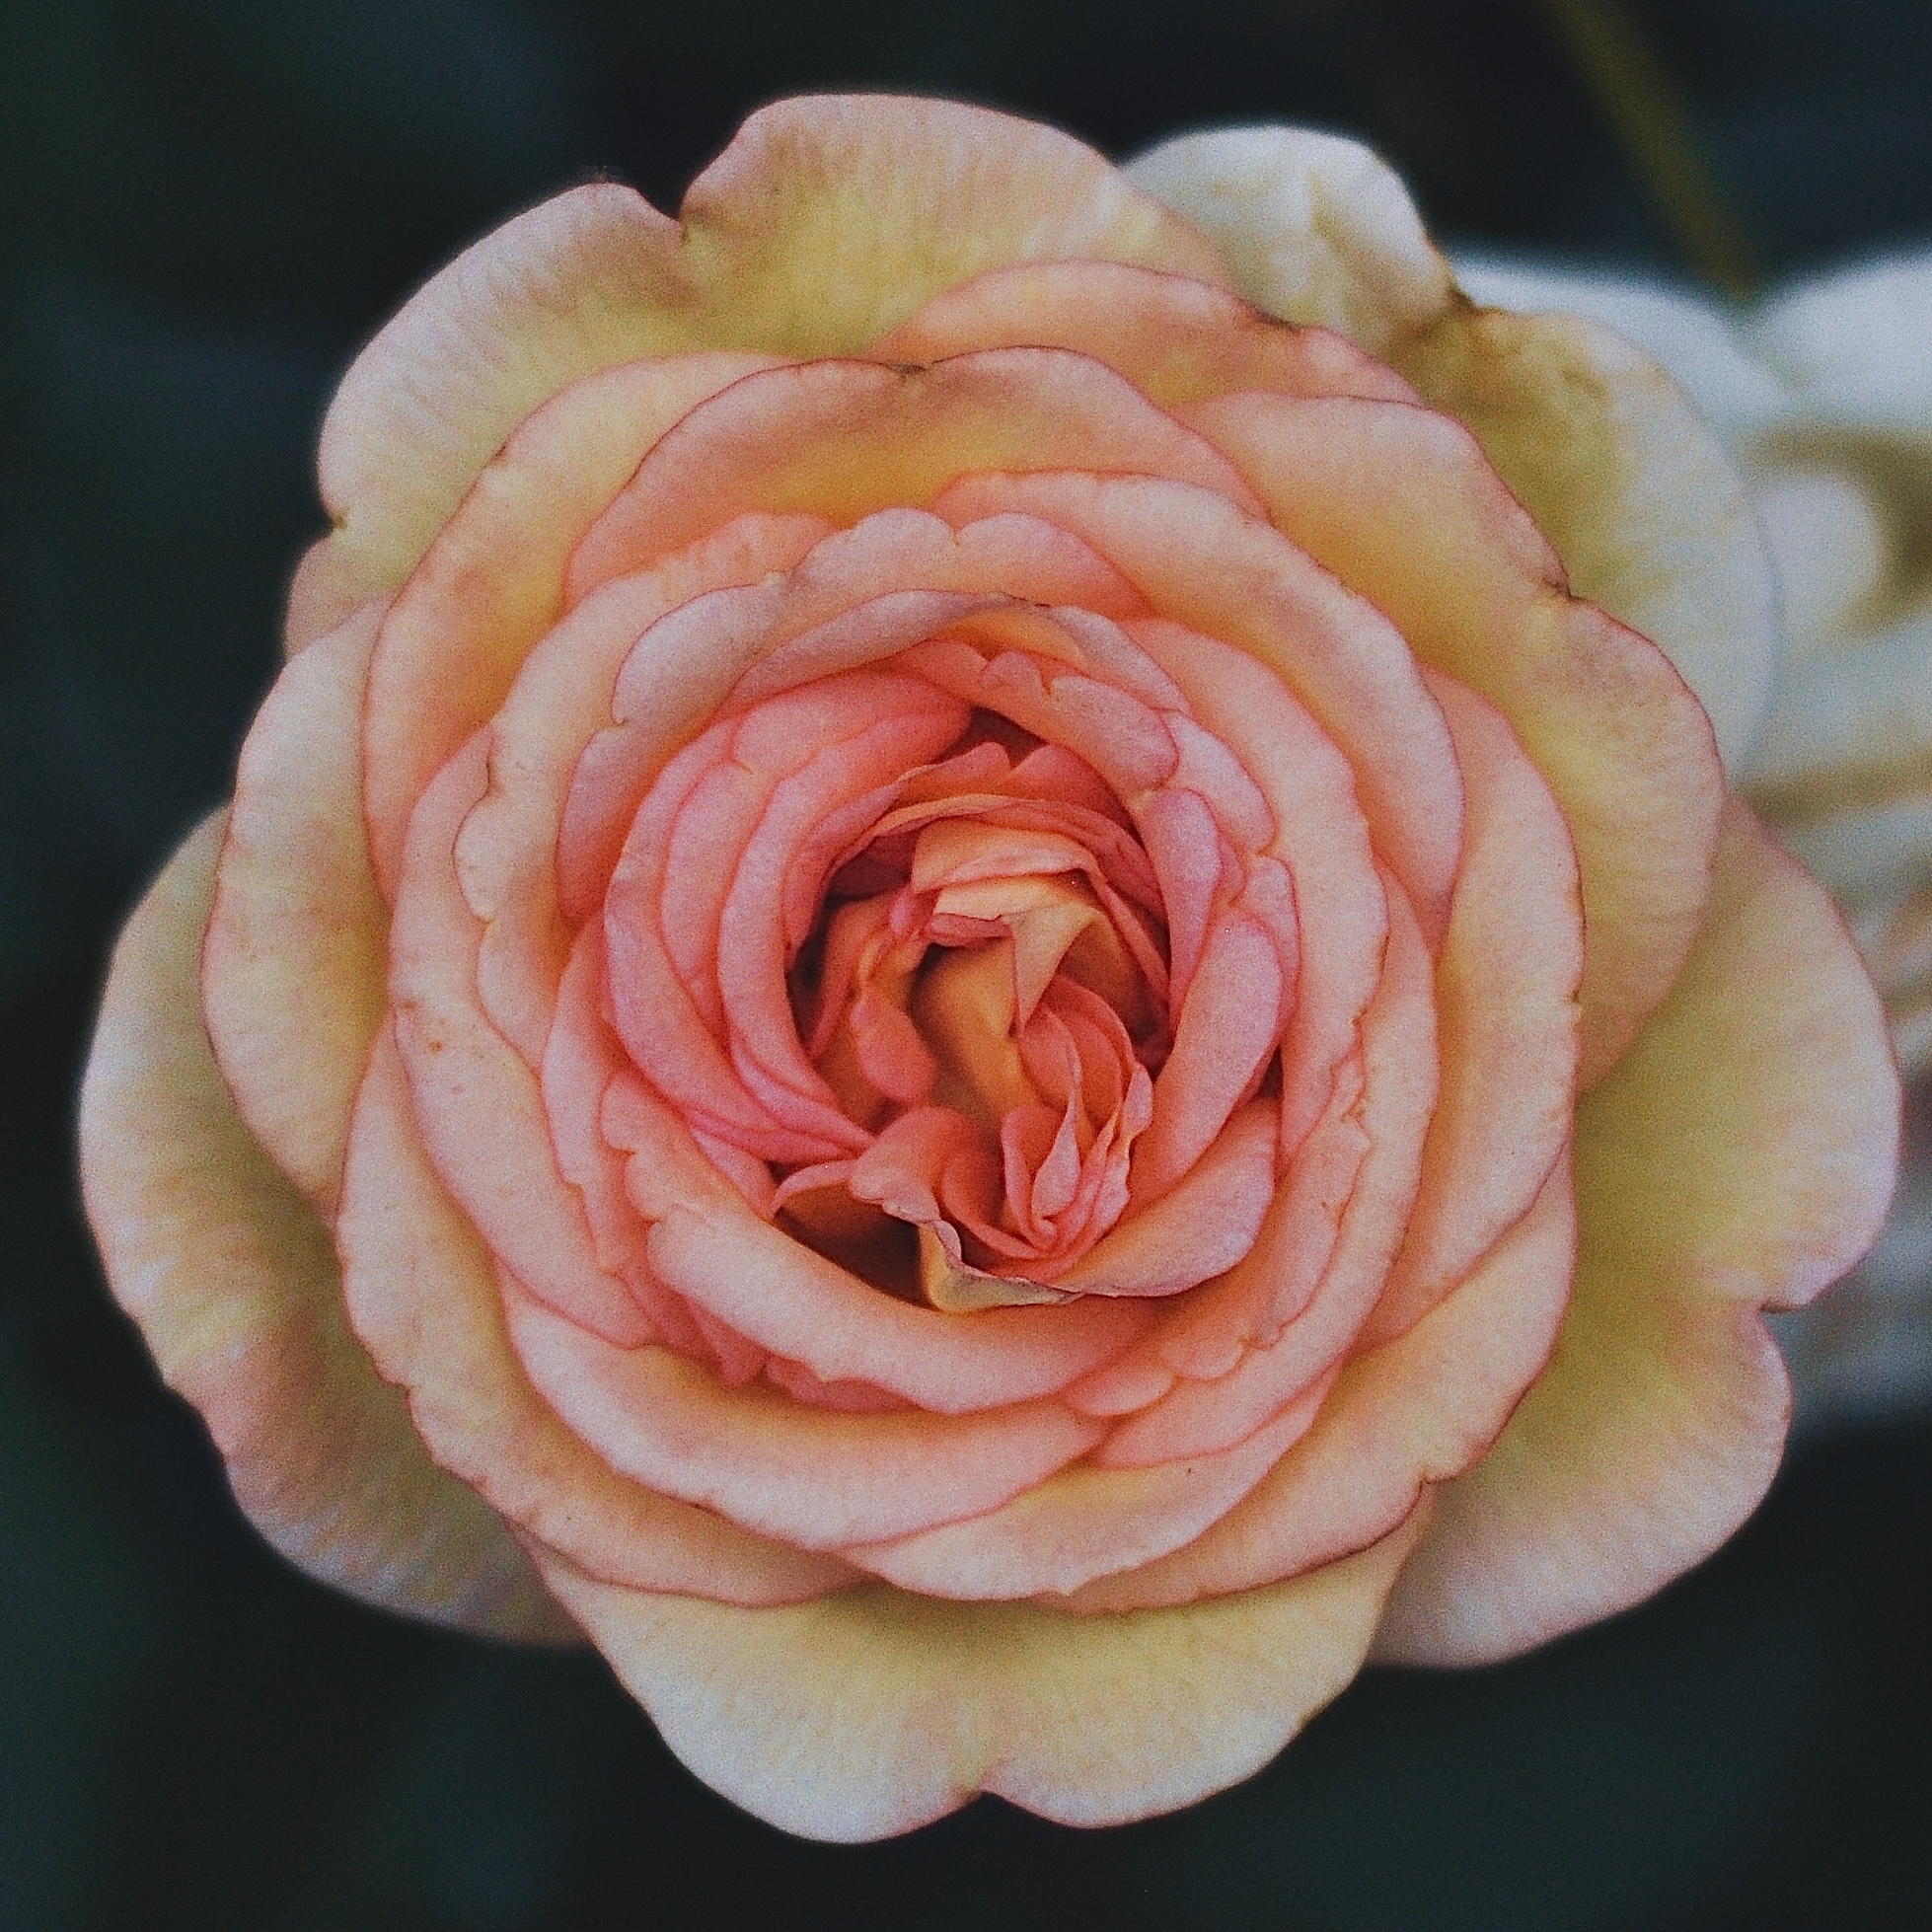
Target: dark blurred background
point(205, 206)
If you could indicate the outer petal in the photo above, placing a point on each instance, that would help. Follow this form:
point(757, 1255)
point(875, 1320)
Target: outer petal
point(422, 1294)
point(1317, 228)
point(1742, 1154)
point(232, 1278)
point(825, 222)
point(872, 1712)
point(1646, 509)
point(293, 966)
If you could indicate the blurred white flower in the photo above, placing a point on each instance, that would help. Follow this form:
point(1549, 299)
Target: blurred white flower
point(1823, 392)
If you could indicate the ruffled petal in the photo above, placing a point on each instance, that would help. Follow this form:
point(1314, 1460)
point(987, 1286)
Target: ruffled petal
point(1742, 1156)
point(877, 1711)
point(292, 968)
point(230, 1275)
point(422, 1294)
point(1646, 509)
point(1317, 228)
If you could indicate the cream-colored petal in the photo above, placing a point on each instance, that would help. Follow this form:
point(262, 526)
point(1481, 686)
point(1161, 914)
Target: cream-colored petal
point(1648, 511)
point(1317, 228)
point(826, 221)
point(293, 967)
point(874, 1711)
point(230, 1275)
point(1740, 1155)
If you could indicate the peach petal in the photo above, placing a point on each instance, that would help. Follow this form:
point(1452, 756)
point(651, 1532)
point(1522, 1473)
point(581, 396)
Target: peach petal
point(480, 1109)
point(490, 584)
point(292, 965)
point(1651, 514)
point(1321, 837)
point(230, 1276)
point(1411, 1413)
point(1507, 1010)
point(708, 1247)
point(665, 1422)
point(1081, 1524)
point(1740, 1155)
point(423, 1299)
point(1203, 1224)
point(830, 218)
point(845, 439)
point(1317, 228)
point(520, 864)
point(877, 1711)
point(1224, 1036)
point(1175, 340)
point(1478, 592)
point(1247, 585)
point(1292, 1337)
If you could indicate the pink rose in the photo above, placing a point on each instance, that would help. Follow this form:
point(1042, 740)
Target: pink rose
point(900, 980)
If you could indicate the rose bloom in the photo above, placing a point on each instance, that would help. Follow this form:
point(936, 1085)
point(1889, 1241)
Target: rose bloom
point(951, 990)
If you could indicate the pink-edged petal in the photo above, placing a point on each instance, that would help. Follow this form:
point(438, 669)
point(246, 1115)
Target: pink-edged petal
point(1293, 1338)
point(1649, 512)
point(520, 862)
point(672, 1425)
point(845, 439)
point(231, 1278)
point(1741, 1157)
point(1249, 586)
point(1411, 1413)
point(877, 1711)
point(478, 1103)
point(293, 964)
point(708, 1247)
point(1198, 1228)
point(1413, 517)
point(1175, 340)
point(1321, 837)
point(422, 1294)
point(1506, 1014)
point(1083, 1522)
point(1317, 228)
point(1227, 1028)
point(490, 584)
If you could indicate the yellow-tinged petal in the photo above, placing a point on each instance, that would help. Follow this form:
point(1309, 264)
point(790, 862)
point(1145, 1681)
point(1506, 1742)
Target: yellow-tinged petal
point(1646, 509)
point(825, 222)
point(230, 1275)
point(1740, 1155)
point(1317, 228)
point(874, 1711)
point(294, 963)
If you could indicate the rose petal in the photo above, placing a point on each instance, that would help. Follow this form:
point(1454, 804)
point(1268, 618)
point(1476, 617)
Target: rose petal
point(671, 1424)
point(1477, 591)
point(490, 584)
point(1742, 1154)
point(1317, 229)
point(422, 1296)
point(292, 966)
point(230, 1275)
point(1175, 340)
point(845, 439)
point(1650, 514)
point(877, 1711)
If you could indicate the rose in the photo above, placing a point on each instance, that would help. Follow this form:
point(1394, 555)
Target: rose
point(899, 751)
